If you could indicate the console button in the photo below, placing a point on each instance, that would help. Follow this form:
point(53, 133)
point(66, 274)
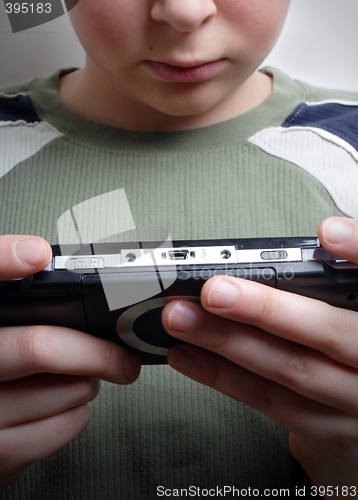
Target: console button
point(274, 255)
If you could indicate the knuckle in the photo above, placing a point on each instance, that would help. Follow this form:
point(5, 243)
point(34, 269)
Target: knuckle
point(213, 377)
point(220, 339)
point(269, 306)
point(339, 439)
point(8, 476)
point(339, 330)
point(85, 388)
point(11, 468)
point(342, 435)
point(296, 370)
point(82, 416)
point(109, 359)
point(36, 345)
point(263, 398)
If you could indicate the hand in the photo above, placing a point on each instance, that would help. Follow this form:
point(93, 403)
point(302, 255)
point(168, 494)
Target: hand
point(292, 358)
point(47, 374)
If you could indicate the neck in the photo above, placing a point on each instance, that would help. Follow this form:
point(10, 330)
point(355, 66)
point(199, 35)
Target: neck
point(90, 95)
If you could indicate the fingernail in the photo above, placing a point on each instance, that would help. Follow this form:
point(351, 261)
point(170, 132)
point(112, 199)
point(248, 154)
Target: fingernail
point(182, 318)
point(131, 367)
point(222, 294)
point(179, 357)
point(31, 252)
point(336, 231)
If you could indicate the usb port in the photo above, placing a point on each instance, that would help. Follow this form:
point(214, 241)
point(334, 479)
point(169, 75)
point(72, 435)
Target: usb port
point(178, 254)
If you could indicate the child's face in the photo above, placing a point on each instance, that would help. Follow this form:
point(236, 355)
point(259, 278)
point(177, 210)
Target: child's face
point(145, 48)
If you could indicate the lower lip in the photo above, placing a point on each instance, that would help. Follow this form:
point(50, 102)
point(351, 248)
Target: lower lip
point(184, 74)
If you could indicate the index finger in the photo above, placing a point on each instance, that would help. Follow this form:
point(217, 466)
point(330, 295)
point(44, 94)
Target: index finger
point(22, 255)
point(313, 323)
point(48, 349)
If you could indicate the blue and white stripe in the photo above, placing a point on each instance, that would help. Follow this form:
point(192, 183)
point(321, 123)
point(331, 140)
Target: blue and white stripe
point(23, 134)
point(321, 138)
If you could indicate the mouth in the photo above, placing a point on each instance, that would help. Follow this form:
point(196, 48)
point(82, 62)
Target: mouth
point(188, 71)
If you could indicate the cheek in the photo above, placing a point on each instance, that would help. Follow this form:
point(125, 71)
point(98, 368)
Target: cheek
point(108, 25)
point(258, 21)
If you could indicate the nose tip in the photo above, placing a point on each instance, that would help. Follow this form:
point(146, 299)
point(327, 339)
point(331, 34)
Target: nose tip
point(183, 15)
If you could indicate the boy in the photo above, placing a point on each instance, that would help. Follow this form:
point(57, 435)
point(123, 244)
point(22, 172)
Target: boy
point(170, 107)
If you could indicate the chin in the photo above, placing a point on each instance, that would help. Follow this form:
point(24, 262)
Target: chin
point(186, 106)
point(183, 111)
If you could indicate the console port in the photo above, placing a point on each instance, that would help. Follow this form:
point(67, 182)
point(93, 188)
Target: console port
point(178, 254)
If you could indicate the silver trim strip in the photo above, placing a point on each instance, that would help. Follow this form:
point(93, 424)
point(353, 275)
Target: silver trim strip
point(134, 258)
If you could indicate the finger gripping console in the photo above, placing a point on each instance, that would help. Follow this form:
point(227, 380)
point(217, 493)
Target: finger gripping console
point(117, 291)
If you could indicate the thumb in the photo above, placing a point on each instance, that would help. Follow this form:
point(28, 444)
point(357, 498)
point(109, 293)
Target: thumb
point(339, 235)
point(22, 255)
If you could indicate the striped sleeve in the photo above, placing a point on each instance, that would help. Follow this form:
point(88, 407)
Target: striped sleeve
point(321, 138)
point(22, 132)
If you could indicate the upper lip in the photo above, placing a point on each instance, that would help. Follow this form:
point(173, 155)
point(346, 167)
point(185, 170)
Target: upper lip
point(185, 64)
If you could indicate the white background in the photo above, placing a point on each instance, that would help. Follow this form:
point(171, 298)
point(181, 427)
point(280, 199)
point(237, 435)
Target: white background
point(319, 44)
